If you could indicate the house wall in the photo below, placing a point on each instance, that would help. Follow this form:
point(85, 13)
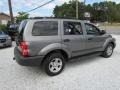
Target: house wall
point(4, 19)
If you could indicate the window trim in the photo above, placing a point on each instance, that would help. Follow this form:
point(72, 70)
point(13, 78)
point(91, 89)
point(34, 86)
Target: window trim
point(79, 23)
point(46, 35)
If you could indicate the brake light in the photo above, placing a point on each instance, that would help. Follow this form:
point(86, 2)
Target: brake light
point(24, 48)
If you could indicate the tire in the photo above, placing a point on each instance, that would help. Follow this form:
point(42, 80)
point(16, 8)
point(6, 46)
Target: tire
point(54, 64)
point(108, 51)
point(10, 45)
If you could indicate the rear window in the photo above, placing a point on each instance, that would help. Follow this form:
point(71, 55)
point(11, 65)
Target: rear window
point(45, 28)
point(22, 26)
point(21, 29)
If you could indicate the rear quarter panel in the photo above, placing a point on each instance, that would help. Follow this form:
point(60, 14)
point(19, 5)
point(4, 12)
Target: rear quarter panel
point(40, 45)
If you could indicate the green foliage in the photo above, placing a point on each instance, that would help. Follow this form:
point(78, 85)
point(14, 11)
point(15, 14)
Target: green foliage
point(102, 11)
point(3, 28)
point(21, 16)
point(68, 10)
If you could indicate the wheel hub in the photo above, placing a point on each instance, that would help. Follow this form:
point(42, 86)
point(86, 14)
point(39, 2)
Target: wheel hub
point(55, 65)
point(109, 50)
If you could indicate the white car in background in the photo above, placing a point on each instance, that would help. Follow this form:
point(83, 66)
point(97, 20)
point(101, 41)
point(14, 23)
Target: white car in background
point(5, 40)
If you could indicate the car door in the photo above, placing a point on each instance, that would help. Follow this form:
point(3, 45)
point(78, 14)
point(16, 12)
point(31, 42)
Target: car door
point(73, 37)
point(94, 39)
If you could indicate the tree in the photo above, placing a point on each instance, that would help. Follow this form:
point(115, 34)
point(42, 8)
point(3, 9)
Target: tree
point(3, 28)
point(21, 16)
point(102, 11)
point(68, 10)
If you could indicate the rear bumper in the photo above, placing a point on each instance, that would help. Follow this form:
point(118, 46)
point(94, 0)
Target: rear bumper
point(27, 61)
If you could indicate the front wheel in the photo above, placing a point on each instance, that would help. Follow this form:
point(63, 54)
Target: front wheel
point(108, 51)
point(54, 64)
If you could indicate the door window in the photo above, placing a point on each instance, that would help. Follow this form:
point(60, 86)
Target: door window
point(72, 28)
point(91, 29)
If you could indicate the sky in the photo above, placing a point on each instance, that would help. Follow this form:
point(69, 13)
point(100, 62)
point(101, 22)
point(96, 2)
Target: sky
point(26, 5)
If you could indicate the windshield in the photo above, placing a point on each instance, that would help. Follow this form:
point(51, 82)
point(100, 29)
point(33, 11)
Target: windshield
point(2, 33)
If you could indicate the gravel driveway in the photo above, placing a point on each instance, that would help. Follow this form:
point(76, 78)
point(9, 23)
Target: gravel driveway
point(94, 73)
point(111, 29)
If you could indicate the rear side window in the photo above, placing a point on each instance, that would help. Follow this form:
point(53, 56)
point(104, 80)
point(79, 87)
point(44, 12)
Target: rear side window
point(21, 28)
point(45, 28)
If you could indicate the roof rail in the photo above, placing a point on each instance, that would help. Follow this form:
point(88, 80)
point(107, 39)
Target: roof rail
point(52, 18)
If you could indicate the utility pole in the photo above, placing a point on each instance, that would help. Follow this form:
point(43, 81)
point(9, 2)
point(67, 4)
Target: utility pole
point(11, 13)
point(84, 2)
point(77, 9)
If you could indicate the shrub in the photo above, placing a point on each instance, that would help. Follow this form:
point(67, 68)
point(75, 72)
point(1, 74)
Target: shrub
point(4, 28)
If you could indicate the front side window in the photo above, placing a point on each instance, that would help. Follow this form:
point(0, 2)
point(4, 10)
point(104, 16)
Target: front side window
point(91, 30)
point(45, 28)
point(72, 28)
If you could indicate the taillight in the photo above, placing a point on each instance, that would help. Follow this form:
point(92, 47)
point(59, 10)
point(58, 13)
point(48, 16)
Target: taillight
point(24, 48)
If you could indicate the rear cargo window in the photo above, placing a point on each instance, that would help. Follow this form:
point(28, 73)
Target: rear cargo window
point(21, 28)
point(45, 28)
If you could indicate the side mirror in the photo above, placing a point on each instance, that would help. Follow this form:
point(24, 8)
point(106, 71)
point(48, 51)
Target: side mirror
point(103, 32)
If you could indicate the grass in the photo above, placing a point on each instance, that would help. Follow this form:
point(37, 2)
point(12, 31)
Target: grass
point(110, 24)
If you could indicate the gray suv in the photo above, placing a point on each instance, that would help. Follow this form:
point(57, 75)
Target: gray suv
point(52, 42)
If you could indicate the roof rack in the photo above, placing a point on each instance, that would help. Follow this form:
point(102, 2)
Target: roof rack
point(52, 18)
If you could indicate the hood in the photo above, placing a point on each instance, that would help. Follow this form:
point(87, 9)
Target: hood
point(4, 36)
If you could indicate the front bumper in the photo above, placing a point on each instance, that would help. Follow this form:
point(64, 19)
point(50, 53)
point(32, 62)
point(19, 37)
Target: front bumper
point(8, 42)
point(114, 42)
point(27, 61)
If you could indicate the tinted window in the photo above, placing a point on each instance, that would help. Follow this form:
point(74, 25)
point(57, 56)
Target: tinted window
point(21, 29)
point(72, 28)
point(22, 26)
point(45, 28)
point(91, 30)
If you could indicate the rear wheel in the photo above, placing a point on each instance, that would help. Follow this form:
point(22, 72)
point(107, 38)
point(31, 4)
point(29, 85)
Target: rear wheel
point(108, 51)
point(54, 64)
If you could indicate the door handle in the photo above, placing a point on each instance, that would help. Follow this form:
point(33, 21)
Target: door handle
point(90, 38)
point(66, 40)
